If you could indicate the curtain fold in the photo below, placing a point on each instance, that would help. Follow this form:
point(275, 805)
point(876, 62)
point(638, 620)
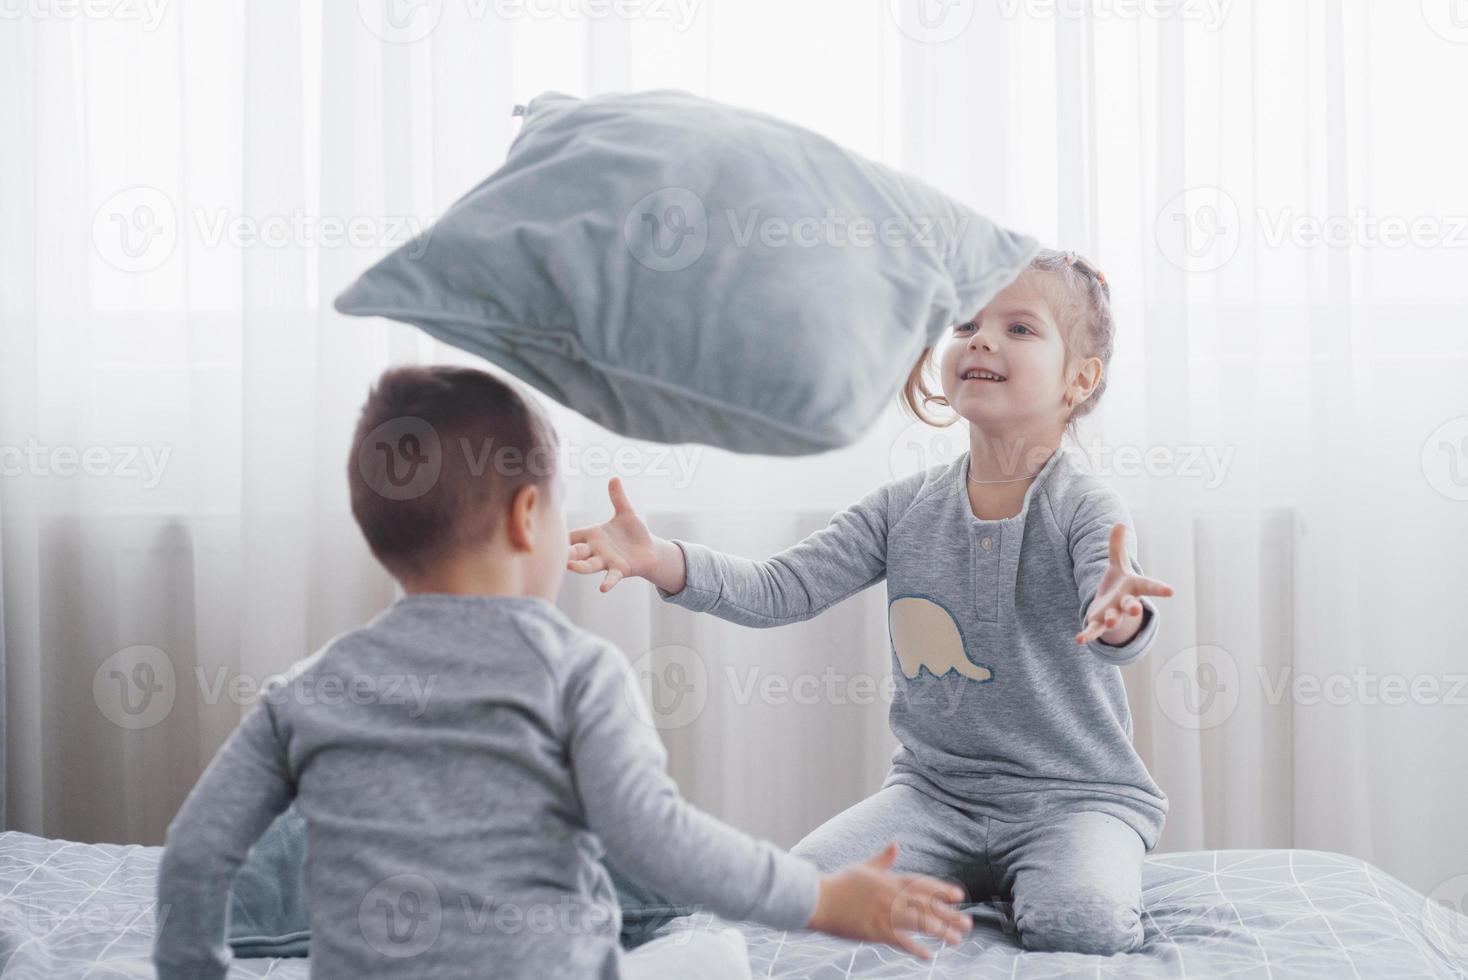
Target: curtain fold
point(1285, 413)
point(3, 726)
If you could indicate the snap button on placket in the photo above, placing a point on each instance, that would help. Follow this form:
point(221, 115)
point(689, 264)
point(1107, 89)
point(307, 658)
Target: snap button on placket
point(986, 570)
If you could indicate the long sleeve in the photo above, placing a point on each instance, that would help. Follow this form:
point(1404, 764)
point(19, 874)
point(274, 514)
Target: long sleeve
point(245, 786)
point(1090, 552)
point(649, 830)
point(847, 555)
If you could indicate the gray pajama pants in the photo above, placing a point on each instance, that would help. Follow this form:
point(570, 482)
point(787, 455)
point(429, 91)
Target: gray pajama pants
point(1074, 880)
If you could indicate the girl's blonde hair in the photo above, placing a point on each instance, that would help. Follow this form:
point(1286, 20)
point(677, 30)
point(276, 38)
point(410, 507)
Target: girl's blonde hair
point(1082, 302)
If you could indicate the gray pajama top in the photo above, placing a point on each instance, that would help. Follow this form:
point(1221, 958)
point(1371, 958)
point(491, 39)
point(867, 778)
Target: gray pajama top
point(996, 707)
point(462, 763)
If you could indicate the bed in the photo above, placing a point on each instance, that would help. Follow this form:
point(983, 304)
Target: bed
point(72, 910)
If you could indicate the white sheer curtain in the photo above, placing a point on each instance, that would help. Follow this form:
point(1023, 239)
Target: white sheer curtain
point(184, 187)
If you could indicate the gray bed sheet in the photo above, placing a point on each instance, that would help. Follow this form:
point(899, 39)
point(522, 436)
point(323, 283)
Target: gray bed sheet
point(73, 910)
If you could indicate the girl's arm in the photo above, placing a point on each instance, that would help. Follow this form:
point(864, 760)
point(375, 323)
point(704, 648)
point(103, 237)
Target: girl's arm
point(1118, 615)
point(842, 558)
point(244, 788)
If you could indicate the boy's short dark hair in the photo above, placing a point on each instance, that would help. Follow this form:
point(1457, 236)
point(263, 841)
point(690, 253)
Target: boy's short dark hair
point(438, 455)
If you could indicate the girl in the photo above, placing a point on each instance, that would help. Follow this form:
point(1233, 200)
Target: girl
point(1013, 599)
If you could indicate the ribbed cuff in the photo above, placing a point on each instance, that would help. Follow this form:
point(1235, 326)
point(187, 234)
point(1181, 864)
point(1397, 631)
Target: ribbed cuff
point(1137, 645)
point(192, 969)
point(700, 587)
point(791, 904)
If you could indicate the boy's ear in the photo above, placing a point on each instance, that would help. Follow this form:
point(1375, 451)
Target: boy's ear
point(520, 521)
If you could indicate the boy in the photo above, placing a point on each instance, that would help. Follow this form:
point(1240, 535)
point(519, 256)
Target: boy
point(457, 833)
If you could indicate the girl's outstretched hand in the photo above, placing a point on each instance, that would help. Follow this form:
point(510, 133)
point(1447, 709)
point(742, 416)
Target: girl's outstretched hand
point(621, 547)
point(1118, 605)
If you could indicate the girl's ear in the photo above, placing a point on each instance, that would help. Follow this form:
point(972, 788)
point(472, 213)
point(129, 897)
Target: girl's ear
point(1084, 381)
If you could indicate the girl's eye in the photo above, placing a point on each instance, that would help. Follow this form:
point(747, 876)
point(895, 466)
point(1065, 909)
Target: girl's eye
point(963, 326)
point(1021, 326)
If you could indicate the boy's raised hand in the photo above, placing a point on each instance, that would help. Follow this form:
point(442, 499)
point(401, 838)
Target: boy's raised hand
point(869, 903)
point(621, 547)
point(1118, 597)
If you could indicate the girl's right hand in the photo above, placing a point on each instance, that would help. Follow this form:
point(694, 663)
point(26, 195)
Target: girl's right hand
point(621, 547)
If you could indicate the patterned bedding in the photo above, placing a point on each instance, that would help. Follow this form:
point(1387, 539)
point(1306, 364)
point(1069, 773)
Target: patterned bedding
point(71, 910)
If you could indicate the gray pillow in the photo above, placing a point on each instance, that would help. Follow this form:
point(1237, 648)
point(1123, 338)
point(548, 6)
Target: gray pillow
point(685, 271)
point(268, 914)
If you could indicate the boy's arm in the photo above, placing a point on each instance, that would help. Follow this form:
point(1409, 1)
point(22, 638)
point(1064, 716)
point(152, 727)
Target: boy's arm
point(244, 787)
point(847, 555)
point(1090, 538)
point(649, 830)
